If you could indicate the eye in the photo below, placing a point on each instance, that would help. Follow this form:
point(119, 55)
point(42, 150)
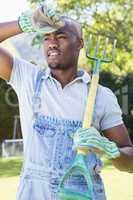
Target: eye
point(45, 38)
point(61, 36)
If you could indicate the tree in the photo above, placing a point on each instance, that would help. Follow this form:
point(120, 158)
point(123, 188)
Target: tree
point(7, 99)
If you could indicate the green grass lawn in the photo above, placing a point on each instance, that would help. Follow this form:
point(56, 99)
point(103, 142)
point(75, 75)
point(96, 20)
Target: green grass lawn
point(118, 185)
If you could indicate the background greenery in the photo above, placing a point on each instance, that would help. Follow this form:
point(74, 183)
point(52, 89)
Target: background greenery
point(112, 18)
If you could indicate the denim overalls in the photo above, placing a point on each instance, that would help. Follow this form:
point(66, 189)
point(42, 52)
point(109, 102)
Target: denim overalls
point(49, 154)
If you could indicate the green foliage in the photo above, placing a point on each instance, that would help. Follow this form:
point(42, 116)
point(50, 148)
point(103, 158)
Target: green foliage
point(35, 1)
point(7, 111)
point(115, 83)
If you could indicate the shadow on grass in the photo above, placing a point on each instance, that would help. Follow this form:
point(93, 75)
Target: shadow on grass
point(10, 167)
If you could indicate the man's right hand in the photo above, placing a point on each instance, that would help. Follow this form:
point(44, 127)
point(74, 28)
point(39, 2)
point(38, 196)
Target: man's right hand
point(42, 20)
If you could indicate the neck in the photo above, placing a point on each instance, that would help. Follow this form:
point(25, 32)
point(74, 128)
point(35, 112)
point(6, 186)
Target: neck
point(64, 76)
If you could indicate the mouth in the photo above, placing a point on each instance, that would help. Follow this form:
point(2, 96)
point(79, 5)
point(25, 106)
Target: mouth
point(53, 53)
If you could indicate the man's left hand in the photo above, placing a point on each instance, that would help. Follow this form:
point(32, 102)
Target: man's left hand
point(92, 140)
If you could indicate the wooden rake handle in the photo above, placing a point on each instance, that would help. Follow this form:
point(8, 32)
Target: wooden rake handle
point(90, 107)
point(91, 101)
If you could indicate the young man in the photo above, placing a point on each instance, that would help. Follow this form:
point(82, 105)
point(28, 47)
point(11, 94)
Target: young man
point(52, 104)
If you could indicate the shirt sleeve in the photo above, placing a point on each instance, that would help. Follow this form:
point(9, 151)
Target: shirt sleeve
point(112, 114)
point(22, 73)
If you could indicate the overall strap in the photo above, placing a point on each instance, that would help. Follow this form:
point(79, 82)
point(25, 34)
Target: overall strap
point(36, 100)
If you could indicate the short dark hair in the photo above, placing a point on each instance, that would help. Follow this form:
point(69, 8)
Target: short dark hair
point(75, 24)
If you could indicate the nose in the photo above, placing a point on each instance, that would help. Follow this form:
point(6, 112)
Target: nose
point(53, 44)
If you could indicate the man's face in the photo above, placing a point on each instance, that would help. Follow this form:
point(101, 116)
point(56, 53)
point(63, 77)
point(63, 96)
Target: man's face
point(62, 48)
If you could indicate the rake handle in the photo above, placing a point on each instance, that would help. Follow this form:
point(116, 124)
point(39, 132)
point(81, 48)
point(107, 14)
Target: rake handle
point(90, 107)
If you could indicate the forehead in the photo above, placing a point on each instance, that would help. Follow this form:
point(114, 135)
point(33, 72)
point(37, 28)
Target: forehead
point(68, 30)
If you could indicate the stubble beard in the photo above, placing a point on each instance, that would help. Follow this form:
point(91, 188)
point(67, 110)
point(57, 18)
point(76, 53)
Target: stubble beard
point(59, 66)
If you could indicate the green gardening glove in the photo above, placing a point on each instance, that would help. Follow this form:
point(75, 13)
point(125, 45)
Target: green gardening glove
point(92, 140)
point(43, 20)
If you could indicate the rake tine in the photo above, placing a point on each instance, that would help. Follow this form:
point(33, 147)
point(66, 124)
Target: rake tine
point(113, 50)
point(97, 46)
point(88, 44)
point(105, 48)
point(113, 53)
point(96, 55)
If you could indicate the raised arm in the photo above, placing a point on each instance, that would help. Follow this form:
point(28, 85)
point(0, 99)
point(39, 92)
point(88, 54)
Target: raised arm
point(7, 30)
point(42, 21)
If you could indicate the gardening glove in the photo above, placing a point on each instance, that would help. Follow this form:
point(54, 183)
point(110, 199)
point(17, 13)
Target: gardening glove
point(91, 139)
point(43, 20)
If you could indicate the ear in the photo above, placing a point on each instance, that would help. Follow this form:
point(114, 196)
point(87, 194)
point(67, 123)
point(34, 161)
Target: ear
point(80, 44)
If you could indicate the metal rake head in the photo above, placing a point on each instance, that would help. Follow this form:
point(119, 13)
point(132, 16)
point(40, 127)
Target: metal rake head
point(100, 53)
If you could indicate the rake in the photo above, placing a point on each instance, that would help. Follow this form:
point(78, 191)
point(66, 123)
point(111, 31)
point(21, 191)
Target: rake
point(79, 165)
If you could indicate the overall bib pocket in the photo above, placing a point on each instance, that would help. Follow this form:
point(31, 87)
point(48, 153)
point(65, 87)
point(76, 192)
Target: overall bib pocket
point(51, 144)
